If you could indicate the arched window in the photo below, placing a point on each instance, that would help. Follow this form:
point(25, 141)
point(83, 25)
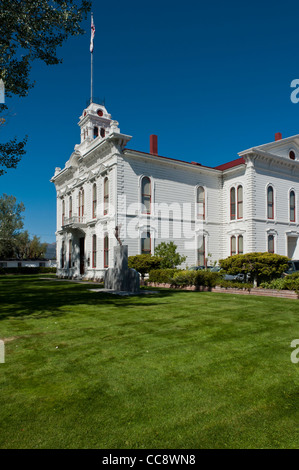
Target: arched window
point(270, 243)
point(270, 203)
point(81, 203)
point(233, 246)
point(94, 251)
point(146, 244)
point(201, 251)
point(240, 244)
point(103, 132)
point(292, 155)
point(106, 195)
point(106, 251)
point(146, 195)
point(70, 207)
point(70, 253)
point(232, 204)
point(292, 207)
point(201, 205)
point(95, 132)
point(62, 254)
point(63, 212)
point(94, 201)
point(240, 202)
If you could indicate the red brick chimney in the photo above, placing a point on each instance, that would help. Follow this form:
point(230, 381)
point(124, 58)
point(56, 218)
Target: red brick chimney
point(278, 136)
point(154, 144)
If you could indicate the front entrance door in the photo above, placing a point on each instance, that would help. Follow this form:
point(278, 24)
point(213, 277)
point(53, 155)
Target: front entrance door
point(82, 257)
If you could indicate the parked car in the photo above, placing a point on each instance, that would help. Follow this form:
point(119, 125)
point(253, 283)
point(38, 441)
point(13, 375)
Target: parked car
point(196, 268)
point(293, 267)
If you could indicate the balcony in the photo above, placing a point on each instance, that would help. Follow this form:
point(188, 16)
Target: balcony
point(76, 221)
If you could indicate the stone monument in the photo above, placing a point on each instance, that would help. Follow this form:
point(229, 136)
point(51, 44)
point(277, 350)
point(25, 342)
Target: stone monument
point(121, 278)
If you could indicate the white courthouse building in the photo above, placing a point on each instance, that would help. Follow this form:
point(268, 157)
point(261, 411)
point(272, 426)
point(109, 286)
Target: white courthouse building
point(249, 204)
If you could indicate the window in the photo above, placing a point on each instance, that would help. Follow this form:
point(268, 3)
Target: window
point(292, 155)
point(70, 253)
point(201, 209)
point(240, 202)
point(42, 265)
point(232, 204)
point(201, 252)
point(63, 211)
point(94, 251)
point(270, 203)
point(103, 133)
point(292, 207)
point(95, 132)
point(3, 264)
point(233, 246)
point(106, 195)
point(240, 244)
point(100, 112)
point(146, 244)
point(94, 201)
point(270, 243)
point(62, 254)
point(106, 251)
point(70, 207)
point(146, 195)
point(81, 203)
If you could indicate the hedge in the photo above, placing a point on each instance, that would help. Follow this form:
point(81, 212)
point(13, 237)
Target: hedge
point(290, 282)
point(162, 276)
point(27, 270)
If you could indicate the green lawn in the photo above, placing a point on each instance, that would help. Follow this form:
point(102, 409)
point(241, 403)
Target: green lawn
point(173, 370)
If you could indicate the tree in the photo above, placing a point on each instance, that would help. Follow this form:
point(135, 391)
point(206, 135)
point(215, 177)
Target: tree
point(29, 248)
point(144, 263)
point(30, 30)
point(169, 255)
point(261, 266)
point(11, 223)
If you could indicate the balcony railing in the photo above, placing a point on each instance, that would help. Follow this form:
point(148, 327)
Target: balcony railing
point(76, 220)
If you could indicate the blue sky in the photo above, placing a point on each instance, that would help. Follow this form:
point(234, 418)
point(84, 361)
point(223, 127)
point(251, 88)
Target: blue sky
point(209, 78)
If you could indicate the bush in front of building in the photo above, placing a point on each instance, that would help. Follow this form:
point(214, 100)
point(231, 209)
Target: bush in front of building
point(290, 282)
point(261, 267)
point(162, 276)
point(144, 263)
point(199, 278)
point(170, 259)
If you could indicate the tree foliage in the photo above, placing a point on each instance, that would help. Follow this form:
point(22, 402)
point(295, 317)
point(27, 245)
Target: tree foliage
point(144, 263)
point(11, 223)
point(27, 248)
point(170, 258)
point(32, 30)
point(15, 243)
point(260, 266)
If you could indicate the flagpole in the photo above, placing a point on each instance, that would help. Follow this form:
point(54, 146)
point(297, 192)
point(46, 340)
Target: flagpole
point(91, 80)
point(91, 58)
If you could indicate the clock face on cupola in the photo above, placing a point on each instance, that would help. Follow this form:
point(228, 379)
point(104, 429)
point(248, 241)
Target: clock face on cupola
point(96, 123)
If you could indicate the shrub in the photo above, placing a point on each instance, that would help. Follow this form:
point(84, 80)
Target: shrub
point(261, 266)
point(144, 263)
point(234, 284)
point(198, 278)
point(170, 259)
point(290, 282)
point(162, 276)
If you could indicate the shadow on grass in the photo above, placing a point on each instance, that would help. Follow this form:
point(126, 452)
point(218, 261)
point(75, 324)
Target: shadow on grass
point(23, 296)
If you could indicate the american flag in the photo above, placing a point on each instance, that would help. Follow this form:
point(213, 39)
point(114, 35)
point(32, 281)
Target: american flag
point(93, 30)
